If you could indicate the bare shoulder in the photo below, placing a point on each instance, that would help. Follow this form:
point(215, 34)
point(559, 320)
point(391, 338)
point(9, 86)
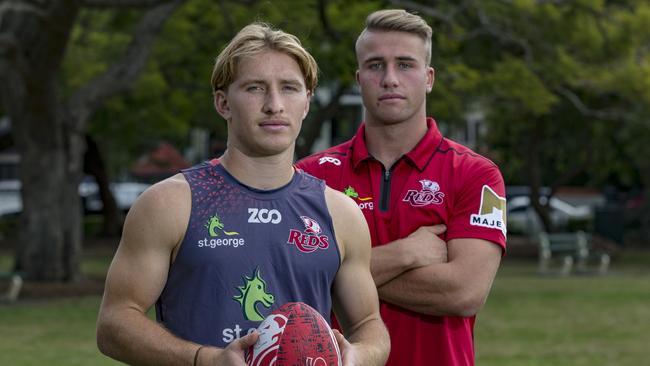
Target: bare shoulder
point(163, 208)
point(168, 193)
point(341, 206)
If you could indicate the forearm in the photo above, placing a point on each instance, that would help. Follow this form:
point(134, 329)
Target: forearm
point(437, 289)
point(371, 341)
point(387, 262)
point(129, 336)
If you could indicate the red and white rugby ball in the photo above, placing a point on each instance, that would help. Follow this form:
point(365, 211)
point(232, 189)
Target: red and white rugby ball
point(295, 334)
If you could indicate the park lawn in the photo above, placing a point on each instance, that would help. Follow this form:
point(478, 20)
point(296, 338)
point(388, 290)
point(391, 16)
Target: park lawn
point(531, 320)
point(52, 332)
point(527, 320)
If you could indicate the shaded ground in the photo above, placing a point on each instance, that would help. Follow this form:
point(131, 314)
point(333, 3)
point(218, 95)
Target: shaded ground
point(97, 254)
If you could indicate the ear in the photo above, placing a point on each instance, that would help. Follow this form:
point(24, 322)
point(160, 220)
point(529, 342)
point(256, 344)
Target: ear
point(356, 76)
point(309, 94)
point(221, 104)
point(431, 78)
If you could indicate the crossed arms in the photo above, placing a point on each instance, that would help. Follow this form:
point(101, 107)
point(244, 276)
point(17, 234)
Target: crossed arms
point(424, 274)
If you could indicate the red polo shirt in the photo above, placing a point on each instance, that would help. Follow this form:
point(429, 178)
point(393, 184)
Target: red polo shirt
point(439, 181)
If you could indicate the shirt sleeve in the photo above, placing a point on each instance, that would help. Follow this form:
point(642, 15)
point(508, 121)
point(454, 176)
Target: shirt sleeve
point(479, 209)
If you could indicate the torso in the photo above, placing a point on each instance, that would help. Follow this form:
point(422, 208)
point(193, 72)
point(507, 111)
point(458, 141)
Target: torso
point(438, 182)
point(245, 253)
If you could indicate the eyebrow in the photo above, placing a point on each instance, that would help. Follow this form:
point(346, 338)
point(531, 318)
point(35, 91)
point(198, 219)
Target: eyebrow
point(262, 81)
point(398, 58)
point(292, 82)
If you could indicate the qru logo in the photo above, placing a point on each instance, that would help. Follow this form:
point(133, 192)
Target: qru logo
point(429, 194)
point(310, 239)
point(253, 292)
point(265, 350)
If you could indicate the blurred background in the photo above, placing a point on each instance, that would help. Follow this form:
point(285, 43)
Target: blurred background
point(101, 98)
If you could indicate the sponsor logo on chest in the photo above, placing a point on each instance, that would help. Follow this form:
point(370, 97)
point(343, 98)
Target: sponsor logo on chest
point(365, 203)
point(264, 216)
point(219, 236)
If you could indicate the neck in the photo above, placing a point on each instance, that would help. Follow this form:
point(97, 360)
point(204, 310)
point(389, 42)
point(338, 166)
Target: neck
point(388, 142)
point(266, 172)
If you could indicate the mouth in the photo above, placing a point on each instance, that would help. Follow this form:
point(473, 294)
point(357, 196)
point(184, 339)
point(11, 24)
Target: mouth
point(391, 96)
point(273, 124)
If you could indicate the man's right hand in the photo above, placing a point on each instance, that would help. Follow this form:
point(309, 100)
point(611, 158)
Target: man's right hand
point(425, 247)
point(233, 355)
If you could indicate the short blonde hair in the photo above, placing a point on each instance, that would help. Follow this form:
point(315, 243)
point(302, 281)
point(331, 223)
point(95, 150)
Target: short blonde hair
point(401, 21)
point(259, 37)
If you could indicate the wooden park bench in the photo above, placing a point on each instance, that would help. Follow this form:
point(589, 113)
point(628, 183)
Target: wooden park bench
point(569, 249)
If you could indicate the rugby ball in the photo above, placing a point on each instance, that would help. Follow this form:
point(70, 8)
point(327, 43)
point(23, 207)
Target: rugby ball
point(295, 334)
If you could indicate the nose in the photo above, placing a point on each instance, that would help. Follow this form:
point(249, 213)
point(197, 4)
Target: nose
point(390, 79)
point(273, 103)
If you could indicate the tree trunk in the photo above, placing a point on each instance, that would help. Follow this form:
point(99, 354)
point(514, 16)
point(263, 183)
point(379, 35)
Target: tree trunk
point(41, 172)
point(94, 165)
point(48, 131)
point(50, 230)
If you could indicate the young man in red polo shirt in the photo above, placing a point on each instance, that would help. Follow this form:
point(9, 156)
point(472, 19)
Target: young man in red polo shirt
point(435, 209)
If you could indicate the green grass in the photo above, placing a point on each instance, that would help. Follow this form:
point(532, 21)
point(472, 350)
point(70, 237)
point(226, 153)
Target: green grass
point(528, 319)
point(56, 332)
point(531, 320)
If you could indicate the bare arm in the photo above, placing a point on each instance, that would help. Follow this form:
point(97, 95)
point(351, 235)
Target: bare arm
point(421, 248)
point(153, 230)
point(356, 304)
point(457, 288)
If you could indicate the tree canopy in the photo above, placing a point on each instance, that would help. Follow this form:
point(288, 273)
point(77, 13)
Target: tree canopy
point(563, 87)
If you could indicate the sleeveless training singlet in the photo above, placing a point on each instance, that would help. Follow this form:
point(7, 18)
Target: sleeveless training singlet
point(246, 252)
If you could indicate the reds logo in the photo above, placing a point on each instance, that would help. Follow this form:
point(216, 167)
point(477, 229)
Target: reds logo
point(269, 341)
point(427, 195)
point(311, 239)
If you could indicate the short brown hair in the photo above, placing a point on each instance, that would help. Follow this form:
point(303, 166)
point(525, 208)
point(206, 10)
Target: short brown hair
point(253, 39)
point(401, 21)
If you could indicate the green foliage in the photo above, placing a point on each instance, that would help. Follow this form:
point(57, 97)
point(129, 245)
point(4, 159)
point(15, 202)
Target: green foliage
point(514, 83)
point(559, 79)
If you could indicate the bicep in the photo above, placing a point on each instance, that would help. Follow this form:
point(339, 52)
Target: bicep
point(354, 292)
point(475, 262)
point(139, 269)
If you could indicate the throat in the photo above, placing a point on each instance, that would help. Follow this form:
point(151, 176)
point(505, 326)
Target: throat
point(261, 173)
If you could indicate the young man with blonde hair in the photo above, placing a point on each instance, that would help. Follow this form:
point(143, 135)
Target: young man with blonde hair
point(220, 245)
point(435, 208)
